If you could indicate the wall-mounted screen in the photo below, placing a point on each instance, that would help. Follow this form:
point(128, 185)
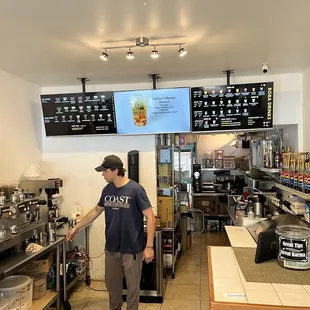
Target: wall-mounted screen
point(79, 113)
point(234, 107)
point(153, 111)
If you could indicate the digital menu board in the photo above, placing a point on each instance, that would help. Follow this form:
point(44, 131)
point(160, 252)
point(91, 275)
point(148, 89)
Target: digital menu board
point(153, 111)
point(79, 113)
point(233, 107)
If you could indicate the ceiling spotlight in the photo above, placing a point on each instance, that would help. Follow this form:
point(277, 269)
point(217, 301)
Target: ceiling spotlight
point(104, 55)
point(130, 54)
point(182, 51)
point(154, 53)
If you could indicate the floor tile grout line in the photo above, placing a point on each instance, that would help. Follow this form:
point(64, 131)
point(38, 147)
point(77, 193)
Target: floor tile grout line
point(86, 303)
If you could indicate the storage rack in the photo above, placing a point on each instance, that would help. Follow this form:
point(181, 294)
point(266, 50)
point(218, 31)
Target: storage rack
point(168, 197)
point(17, 261)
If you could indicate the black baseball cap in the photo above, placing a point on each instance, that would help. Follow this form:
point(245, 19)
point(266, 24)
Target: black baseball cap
point(109, 162)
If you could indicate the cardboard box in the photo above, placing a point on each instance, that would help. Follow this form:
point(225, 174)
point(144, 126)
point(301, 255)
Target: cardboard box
point(214, 210)
point(165, 210)
point(164, 185)
point(202, 203)
point(214, 201)
point(223, 210)
point(42, 265)
point(242, 163)
point(164, 169)
point(229, 162)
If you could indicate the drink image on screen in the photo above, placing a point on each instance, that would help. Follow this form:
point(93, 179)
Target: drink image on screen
point(139, 110)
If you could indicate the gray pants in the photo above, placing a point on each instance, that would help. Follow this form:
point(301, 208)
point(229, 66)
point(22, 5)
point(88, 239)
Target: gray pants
point(117, 266)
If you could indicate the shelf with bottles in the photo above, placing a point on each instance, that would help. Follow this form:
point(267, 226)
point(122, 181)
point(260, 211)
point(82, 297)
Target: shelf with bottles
point(295, 174)
point(293, 191)
point(219, 169)
point(267, 154)
point(171, 246)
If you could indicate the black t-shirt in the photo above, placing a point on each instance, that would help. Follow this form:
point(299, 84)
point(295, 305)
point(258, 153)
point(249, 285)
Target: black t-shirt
point(123, 217)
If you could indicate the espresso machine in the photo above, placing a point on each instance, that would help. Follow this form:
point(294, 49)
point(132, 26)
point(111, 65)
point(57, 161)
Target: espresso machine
point(20, 221)
point(53, 198)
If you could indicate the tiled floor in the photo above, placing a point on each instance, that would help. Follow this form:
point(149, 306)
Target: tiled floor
point(190, 283)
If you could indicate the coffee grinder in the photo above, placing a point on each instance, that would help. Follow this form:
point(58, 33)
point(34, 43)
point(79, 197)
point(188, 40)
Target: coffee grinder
point(197, 178)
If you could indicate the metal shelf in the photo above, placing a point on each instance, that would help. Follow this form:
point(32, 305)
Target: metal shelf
point(176, 256)
point(218, 169)
point(44, 302)
point(268, 170)
point(73, 282)
point(219, 215)
point(293, 191)
point(15, 262)
point(176, 221)
point(232, 214)
point(165, 147)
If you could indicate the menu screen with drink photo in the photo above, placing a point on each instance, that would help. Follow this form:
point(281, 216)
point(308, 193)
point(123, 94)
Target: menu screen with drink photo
point(152, 111)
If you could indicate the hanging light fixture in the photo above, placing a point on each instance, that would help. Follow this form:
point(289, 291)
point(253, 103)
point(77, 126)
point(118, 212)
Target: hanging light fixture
point(143, 42)
point(154, 53)
point(130, 54)
point(182, 51)
point(104, 56)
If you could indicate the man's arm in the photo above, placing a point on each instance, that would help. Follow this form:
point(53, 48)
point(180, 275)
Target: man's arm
point(90, 217)
point(150, 226)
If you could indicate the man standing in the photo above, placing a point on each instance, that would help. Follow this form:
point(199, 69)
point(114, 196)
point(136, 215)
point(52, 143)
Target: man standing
point(125, 203)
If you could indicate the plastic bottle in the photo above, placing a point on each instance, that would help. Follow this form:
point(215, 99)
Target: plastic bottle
point(251, 214)
point(77, 213)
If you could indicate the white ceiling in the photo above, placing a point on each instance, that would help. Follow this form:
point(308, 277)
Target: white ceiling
point(54, 42)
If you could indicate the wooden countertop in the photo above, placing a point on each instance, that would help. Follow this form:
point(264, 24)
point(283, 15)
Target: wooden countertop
point(240, 237)
point(229, 290)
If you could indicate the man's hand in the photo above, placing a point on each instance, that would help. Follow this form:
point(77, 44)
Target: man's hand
point(148, 255)
point(71, 234)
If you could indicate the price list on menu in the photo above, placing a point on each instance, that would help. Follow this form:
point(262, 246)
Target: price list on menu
point(233, 107)
point(79, 113)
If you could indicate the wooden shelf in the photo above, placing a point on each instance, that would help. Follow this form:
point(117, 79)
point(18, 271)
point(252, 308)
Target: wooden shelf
point(45, 302)
point(293, 191)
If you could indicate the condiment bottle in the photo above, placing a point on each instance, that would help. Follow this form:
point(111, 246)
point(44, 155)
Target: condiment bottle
point(251, 214)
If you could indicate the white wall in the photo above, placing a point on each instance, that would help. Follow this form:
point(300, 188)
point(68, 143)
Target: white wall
point(74, 158)
point(289, 137)
point(206, 144)
point(306, 109)
point(20, 127)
